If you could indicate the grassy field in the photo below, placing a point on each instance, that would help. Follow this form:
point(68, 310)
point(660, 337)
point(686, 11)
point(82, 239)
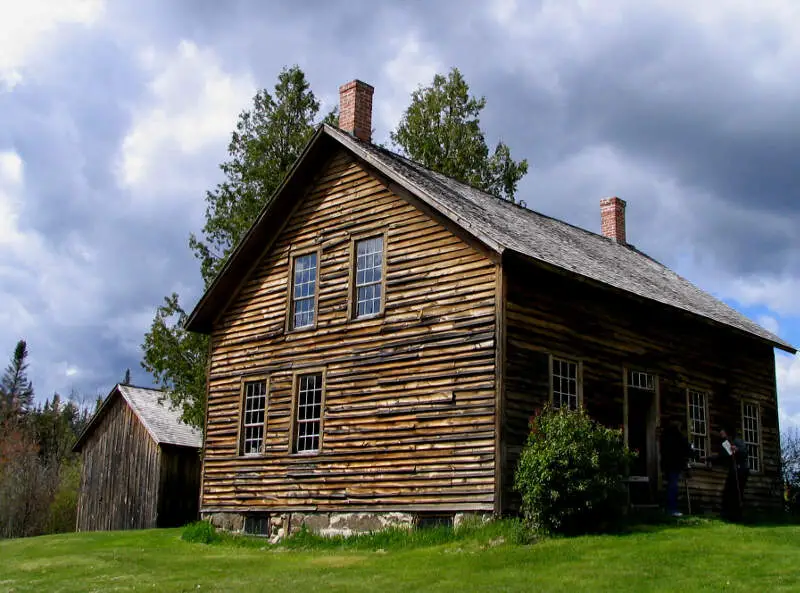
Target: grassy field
point(689, 556)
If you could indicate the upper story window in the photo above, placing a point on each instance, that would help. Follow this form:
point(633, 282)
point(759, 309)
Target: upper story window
point(253, 416)
point(751, 434)
point(368, 276)
point(565, 381)
point(304, 290)
point(308, 413)
point(697, 411)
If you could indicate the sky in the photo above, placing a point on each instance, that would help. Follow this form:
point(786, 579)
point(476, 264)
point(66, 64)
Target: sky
point(114, 116)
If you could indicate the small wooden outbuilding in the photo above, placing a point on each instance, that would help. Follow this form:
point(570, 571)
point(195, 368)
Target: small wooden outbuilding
point(141, 464)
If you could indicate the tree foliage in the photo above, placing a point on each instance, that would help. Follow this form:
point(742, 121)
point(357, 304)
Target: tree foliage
point(265, 144)
point(16, 390)
point(441, 130)
point(570, 473)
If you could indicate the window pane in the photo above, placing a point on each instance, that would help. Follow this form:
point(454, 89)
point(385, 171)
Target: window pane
point(255, 402)
point(369, 256)
point(565, 384)
point(305, 279)
point(697, 402)
point(751, 435)
point(309, 412)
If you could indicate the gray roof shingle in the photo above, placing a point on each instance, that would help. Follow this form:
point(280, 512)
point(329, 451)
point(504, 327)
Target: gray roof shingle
point(502, 226)
point(161, 422)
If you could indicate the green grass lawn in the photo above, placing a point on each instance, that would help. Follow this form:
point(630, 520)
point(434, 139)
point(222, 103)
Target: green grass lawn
point(689, 556)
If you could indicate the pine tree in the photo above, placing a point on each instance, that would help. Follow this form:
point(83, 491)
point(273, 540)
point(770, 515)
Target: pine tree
point(16, 390)
point(441, 130)
point(265, 144)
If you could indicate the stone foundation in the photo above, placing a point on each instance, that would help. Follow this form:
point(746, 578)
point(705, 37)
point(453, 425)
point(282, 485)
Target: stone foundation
point(330, 524)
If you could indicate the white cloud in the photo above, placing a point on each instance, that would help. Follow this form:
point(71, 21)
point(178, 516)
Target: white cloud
point(194, 104)
point(412, 65)
point(26, 25)
point(787, 375)
point(778, 293)
point(769, 323)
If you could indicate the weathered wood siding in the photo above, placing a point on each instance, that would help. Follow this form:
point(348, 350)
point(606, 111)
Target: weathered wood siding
point(409, 416)
point(120, 474)
point(549, 313)
point(179, 486)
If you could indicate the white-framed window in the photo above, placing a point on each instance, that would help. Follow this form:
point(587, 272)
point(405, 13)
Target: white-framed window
point(304, 286)
point(308, 413)
point(253, 416)
point(565, 383)
point(697, 413)
point(751, 434)
point(368, 276)
point(641, 380)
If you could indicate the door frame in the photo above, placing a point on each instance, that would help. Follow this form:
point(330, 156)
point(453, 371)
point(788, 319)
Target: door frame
point(653, 445)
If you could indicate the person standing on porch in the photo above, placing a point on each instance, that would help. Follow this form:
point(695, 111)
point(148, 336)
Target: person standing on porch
point(675, 454)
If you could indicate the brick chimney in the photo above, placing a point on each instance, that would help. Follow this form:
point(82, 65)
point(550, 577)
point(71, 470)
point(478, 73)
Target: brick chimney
point(355, 109)
point(612, 219)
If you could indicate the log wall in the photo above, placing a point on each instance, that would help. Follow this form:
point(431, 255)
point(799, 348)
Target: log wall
point(409, 414)
point(549, 313)
point(120, 474)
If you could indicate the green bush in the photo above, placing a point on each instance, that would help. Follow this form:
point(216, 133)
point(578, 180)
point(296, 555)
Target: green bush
point(200, 532)
point(571, 474)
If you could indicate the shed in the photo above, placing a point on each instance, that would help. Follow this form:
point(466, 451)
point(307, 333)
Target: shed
point(141, 464)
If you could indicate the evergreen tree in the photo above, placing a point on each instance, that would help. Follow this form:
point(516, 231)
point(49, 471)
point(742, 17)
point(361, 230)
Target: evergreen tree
point(16, 390)
point(441, 130)
point(127, 379)
point(265, 144)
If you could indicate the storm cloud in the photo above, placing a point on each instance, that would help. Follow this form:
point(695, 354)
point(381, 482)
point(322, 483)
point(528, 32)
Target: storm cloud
point(114, 117)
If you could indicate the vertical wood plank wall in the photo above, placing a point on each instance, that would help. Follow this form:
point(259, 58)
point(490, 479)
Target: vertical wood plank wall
point(120, 474)
point(409, 396)
point(548, 313)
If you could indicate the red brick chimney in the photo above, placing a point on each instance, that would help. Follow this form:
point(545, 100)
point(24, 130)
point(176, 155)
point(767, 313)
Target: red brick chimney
point(612, 219)
point(355, 109)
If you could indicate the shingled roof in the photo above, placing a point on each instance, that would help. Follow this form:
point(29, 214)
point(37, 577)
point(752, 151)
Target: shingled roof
point(162, 423)
point(502, 227)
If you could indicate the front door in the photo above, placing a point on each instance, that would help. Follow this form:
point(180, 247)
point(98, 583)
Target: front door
point(641, 420)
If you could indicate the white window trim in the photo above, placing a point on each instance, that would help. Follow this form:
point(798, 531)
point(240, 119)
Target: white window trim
point(759, 434)
point(578, 376)
point(690, 425)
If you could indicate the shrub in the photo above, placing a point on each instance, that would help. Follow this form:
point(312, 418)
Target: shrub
point(200, 532)
point(571, 473)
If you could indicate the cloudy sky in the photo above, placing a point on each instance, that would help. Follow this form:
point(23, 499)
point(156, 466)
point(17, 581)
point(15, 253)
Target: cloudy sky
point(114, 115)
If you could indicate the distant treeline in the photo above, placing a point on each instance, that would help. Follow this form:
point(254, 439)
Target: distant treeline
point(39, 473)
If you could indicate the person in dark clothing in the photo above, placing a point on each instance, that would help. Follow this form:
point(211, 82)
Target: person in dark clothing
point(675, 454)
point(738, 469)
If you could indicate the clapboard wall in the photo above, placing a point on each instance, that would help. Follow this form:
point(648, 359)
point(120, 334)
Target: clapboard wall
point(552, 313)
point(120, 474)
point(410, 396)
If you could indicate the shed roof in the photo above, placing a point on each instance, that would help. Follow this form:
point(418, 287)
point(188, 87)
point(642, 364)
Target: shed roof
point(503, 227)
point(161, 422)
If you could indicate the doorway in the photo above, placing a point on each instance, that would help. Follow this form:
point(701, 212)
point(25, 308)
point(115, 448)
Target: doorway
point(641, 422)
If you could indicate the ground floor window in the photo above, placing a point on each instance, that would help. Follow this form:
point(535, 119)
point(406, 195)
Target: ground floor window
point(255, 405)
point(751, 434)
point(697, 406)
point(565, 383)
point(308, 412)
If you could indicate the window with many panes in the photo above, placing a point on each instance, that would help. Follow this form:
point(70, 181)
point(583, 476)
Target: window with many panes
point(697, 408)
point(255, 405)
point(303, 290)
point(641, 380)
point(308, 417)
point(565, 383)
point(368, 276)
point(751, 434)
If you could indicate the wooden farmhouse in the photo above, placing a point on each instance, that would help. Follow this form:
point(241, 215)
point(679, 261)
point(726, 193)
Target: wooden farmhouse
point(141, 464)
point(382, 335)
